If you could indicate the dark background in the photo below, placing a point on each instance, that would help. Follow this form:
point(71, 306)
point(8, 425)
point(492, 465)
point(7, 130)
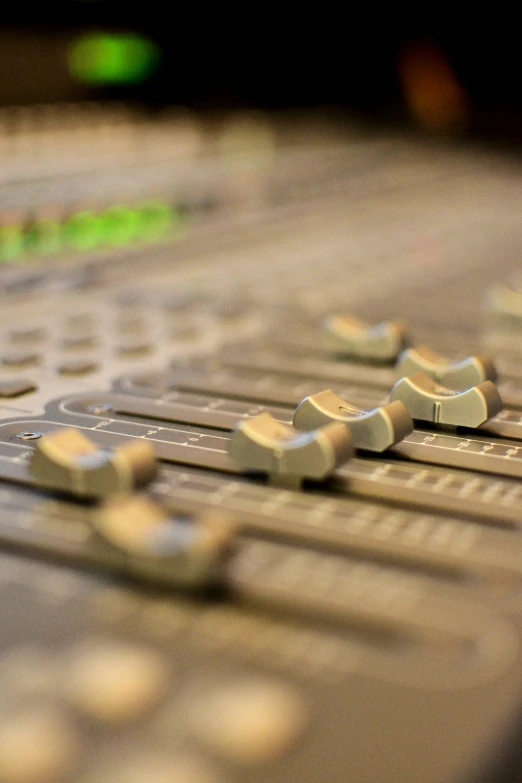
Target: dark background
point(465, 78)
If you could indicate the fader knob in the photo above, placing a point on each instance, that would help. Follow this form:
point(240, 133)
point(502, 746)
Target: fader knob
point(455, 375)
point(191, 549)
point(349, 336)
point(426, 400)
point(505, 303)
point(374, 430)
point(286, 455)
point(69, 461)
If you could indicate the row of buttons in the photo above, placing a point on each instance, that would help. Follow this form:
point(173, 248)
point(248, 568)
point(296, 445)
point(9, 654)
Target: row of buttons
point(133, 347)
point(248, 720)
point(79, 338)
point(84, 340)
point(132, 311)
point(16, 387)
point(134, 343)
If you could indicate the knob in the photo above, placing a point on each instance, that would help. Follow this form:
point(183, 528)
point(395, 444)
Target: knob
point(286, 455)
point(455, 375)
point(69, 461)
point(426, 400)
point(183, 550)
point(374, 430)
point(505, 303)
point(349, 336)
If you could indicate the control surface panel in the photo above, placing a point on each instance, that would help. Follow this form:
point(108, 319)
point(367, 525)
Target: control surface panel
point(261, 467)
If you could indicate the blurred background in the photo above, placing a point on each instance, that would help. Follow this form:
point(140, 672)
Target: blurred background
point(123, 124)
point(436, 75)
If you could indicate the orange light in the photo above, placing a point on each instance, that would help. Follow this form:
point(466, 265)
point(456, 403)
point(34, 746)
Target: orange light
point(432, 89)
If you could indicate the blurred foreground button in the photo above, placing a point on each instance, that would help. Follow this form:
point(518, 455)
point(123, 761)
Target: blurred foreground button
point(252, 721)
point(114, 682)
point(77, 367)
point(144, 766)
point(19, 359)
point(189, 550)
point(16, 387)
point(38, 746)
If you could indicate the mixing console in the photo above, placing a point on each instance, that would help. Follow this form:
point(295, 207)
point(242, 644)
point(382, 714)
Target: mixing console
point(260, 453)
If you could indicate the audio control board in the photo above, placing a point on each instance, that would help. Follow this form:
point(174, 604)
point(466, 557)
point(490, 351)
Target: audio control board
point(261, 477)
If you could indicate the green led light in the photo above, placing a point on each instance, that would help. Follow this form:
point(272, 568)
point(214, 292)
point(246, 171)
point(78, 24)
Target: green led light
point(157, 219)
point(117, 226)
point(83, 231)
point(43, 237)
point(122, 225)
point(11, 242)
point(112, 58)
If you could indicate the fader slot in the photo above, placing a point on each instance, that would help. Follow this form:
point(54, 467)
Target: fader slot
point(273, 388)
point(428, 487)
point(433, 544)
point(343, 593)
point(278, 391)
point(363, 375)
point(179, 406)
point(175, 407)
point(254, 574)
point(468, 554)
point(293, 363)
point(469, 452)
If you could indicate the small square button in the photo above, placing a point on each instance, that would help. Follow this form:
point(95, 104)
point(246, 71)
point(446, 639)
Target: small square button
point(19, 359)
point(15, 387)
point(77, 367)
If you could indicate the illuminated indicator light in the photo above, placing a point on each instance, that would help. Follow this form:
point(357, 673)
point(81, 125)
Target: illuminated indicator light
point(84, 231)
point(432, 89)
point(44, 237)
point(11, 242)
point(122, 225)
point(157, 219)
point(116, 226)
point(104, 58)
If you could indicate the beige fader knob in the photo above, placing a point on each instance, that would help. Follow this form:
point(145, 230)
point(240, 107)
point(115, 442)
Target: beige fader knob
point(182, 551)
point(349, 336)
point(505, 303)
point(455, 375)
point(286, 455)
point(69, 461)
point(426, 400)
point(374, 430)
